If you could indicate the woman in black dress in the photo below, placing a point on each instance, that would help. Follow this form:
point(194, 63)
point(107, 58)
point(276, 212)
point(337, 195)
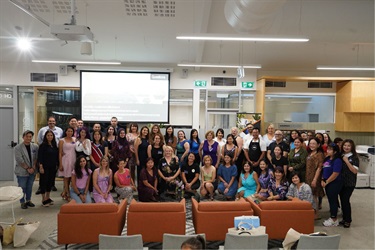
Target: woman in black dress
point(48, 156)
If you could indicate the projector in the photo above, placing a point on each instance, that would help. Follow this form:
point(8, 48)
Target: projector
point(68, 32)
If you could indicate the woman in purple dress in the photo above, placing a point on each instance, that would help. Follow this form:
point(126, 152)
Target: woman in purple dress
point(102, 180)
point(148, 183)
point(264, 180)
point(211, 148)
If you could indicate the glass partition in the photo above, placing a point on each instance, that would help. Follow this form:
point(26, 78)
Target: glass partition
point(62, 103)
point(181, 107)
point(298, 108)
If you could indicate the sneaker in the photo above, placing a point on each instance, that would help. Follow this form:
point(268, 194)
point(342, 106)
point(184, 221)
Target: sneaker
point(342, 222)
point(45, 203)
point(54, 188)
point(30, 204)
point(50, 201)
point(23, 205)
point(38, 191)
point(330, 223)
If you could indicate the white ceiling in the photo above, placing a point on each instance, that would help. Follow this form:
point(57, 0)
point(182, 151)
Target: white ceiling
point(341, 32)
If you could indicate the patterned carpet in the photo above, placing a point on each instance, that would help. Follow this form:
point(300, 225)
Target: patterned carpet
point(51, 241)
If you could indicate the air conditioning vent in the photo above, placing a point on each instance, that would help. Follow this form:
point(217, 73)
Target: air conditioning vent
point(43, 77)
point(319, 85)
point(277, 84)
point(223, 81)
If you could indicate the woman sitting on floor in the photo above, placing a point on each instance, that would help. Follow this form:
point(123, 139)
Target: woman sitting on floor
point(248, 183)
point(148, 182)
point(124, 182)
point(102, 182)
point(81, 175)
point(227, 174)
point(190, 174)
point(208, 178)
point(264, 179)
point(278, 186)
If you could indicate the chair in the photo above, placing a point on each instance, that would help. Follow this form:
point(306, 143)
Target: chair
point(246, 242)
point(319, 242)
point(120, 242)
point(174, 241)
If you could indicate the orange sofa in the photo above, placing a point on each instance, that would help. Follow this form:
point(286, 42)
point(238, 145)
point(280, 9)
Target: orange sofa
point(153, 219)
point(214, 218)
point(82, 223)
point(279, 216)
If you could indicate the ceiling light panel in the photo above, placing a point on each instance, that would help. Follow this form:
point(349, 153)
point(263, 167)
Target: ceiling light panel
point(37, 6)
point(157, 8)
point(136, 7)
point(62, 6)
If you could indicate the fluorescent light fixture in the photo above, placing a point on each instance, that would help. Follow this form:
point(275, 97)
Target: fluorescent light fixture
point(345, 68)
point(79, 62)
point(204, 65)
point(222, 37)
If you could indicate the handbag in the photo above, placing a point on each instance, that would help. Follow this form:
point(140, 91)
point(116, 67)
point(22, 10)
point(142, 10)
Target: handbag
point(23, 232)
point(9, 233)
point(261, 230)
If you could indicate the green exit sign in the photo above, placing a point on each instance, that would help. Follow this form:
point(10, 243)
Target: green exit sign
point(247, 85)
point(200, 83)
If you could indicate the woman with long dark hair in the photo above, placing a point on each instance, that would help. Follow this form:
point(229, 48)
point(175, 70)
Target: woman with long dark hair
point(140, 149)
point(194, 144)
point(131, 137)
point(169, 138)
point(48, 156)
point(332, 182)
point(67, 159)
point(99, 148)
point(81, 176)
point(314, 164)
point(349, 175)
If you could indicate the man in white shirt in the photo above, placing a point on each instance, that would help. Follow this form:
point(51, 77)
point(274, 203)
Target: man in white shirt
point(255, 150)
point(58, 134)
point(51, 126)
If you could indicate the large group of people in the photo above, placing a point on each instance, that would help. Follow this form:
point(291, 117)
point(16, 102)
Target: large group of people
point(245, 164)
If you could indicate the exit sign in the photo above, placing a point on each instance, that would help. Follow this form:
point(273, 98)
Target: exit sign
point(200, 83)
point(247, 85)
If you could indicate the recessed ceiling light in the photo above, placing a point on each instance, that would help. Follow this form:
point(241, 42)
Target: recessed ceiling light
point(23, 44)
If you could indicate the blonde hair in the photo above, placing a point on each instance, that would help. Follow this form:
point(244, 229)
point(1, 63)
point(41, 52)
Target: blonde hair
point(169, 148)
point(210, 132)
point(107, 170)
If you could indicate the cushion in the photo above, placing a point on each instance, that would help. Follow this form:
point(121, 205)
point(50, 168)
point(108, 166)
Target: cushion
point(72, 208)
point(157, 206)
point(285, 205)
point(224, 206)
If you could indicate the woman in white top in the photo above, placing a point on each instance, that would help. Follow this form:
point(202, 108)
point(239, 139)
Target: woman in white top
point(270, 135)
point(220, 139)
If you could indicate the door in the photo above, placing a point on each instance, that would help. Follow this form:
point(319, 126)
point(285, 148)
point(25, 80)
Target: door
point(6, 145)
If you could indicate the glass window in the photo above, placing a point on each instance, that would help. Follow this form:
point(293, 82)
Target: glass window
point(25, 110)
point(61, 103)
point(181, 107)
point(287, 108)
point(6, 96)
point(222, 100)
point(247, 101)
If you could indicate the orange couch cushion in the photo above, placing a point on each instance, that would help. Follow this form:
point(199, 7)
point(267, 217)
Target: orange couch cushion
point(157, 206)
point(285, 205)
point(219, 206)
point(72, 208)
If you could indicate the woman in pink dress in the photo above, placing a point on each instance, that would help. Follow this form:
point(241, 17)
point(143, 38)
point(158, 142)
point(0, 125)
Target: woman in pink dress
point(102, 181)
point(67, 159)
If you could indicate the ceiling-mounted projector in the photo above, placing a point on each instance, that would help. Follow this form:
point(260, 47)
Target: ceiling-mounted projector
point(68, 32)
